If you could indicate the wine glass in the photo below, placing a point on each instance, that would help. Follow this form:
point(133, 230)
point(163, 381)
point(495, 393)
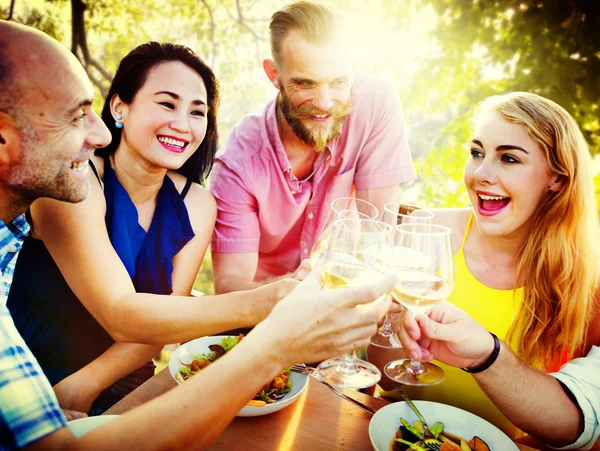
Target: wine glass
point(340, 206)
point(395, 214)
point(385, 346)
point(354, 246)
point(426, 277)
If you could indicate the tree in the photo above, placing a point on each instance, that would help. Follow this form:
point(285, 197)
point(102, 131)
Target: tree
point(549, 47)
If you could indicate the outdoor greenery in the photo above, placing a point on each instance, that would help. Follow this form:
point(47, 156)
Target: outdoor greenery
point(445, 56)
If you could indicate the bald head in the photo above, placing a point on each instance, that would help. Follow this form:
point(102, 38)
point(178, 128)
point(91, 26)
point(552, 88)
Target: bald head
point(32, 66)
point(48, 127)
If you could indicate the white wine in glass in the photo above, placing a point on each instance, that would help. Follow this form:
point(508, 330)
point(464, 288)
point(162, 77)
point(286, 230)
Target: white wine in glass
point(350, 262)
point(419, 291)
point(425, 266)
point(385, 345)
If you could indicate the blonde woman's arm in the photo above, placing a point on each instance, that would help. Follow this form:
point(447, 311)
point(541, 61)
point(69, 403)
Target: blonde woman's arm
point(533, 401)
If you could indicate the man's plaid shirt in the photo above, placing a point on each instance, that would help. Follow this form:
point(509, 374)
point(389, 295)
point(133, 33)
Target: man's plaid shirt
point(29, 409)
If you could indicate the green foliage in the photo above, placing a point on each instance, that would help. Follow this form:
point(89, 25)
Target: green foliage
point(204, 279)
point(548, 47)
point(480, 48)
point(45, 19)
point(441, 170)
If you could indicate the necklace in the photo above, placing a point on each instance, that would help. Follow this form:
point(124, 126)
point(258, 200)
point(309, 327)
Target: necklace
point(321, 158)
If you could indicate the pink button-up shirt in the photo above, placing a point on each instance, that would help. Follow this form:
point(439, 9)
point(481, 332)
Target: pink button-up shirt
point(262, 207)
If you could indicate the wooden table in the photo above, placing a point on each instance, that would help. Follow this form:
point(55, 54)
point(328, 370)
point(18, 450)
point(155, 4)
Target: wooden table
point(317, 420)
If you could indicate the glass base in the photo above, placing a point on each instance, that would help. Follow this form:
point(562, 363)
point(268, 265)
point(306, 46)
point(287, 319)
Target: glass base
point(360, 375)
point(381, 350)
point(403, 372)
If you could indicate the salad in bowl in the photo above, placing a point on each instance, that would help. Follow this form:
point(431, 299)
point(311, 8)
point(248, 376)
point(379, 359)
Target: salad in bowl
point(192, 357)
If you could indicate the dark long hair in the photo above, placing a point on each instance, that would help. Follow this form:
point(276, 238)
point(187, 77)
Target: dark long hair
point(131, 76)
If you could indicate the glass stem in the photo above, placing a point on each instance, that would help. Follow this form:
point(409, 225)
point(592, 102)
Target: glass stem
point(415, 367)
point(386, 327)
point(349, 367)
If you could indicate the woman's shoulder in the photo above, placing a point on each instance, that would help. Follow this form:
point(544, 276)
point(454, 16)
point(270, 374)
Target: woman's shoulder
point(98, 163)
point(456, 219)
point(197, 196)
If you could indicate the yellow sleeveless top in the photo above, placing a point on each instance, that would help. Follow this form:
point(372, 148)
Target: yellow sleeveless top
point(495, 310)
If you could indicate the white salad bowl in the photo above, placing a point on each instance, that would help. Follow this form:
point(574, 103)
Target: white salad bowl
point(385, 423)
point(185, 352)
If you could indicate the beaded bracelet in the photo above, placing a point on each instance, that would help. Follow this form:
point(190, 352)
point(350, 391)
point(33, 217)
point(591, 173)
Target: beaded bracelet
point(491, 359)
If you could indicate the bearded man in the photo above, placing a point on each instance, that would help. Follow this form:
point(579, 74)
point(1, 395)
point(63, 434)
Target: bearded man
point(323, 137)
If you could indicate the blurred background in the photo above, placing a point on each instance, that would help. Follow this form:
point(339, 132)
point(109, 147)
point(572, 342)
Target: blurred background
point(444, 56)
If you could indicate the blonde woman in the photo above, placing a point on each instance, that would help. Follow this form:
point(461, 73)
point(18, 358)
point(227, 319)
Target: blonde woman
point(526, 261)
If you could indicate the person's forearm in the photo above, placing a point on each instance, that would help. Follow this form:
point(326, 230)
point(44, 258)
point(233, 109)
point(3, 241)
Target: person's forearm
point(153, 319)
point(233, 284)
point(118, 361)
point(198, 411)
point(79, 390)
point(533, 401)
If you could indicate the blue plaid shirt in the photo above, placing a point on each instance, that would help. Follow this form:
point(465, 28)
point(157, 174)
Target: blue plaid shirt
point(29, 409)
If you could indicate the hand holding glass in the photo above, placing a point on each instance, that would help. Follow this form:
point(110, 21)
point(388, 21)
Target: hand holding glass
point(424, 263)
point(395, 214)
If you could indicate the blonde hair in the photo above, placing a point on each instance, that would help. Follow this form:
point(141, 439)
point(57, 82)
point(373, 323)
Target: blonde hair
point(315, 22)
point(560, 260)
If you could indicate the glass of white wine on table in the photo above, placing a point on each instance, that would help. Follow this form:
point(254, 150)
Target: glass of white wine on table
point(385, 345)
point(354, 246)
point(425, 267)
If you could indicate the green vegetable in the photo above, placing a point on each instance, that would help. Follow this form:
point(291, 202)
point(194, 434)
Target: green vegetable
point(262, 396)
point(226, 343)
point(437, 429)
point(229, 342)
point(413, 446)
point(210, 356)
point(411, 429)
point(419, 426)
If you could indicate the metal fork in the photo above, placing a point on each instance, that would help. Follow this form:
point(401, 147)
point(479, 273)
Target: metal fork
point(312, 372)
point(427, 432)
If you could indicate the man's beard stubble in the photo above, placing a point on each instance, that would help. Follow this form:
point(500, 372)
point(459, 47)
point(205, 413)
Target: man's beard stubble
point(318, 137)
point(39, 175)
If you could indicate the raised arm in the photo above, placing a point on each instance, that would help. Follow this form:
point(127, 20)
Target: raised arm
point(100, 281)
point(237, 231)
point(234, 271)
point(79, 390)
point(311, 324)
point(534, 401)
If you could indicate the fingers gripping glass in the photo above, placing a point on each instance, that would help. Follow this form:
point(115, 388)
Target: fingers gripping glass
point(424, 263)
point(395, 214)
point(351, 261)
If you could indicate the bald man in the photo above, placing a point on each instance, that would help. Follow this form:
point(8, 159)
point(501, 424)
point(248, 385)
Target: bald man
point(48, 131)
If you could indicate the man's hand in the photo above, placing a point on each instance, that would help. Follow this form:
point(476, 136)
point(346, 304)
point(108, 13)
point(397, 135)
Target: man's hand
point(312, 324)
point(447, 334)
